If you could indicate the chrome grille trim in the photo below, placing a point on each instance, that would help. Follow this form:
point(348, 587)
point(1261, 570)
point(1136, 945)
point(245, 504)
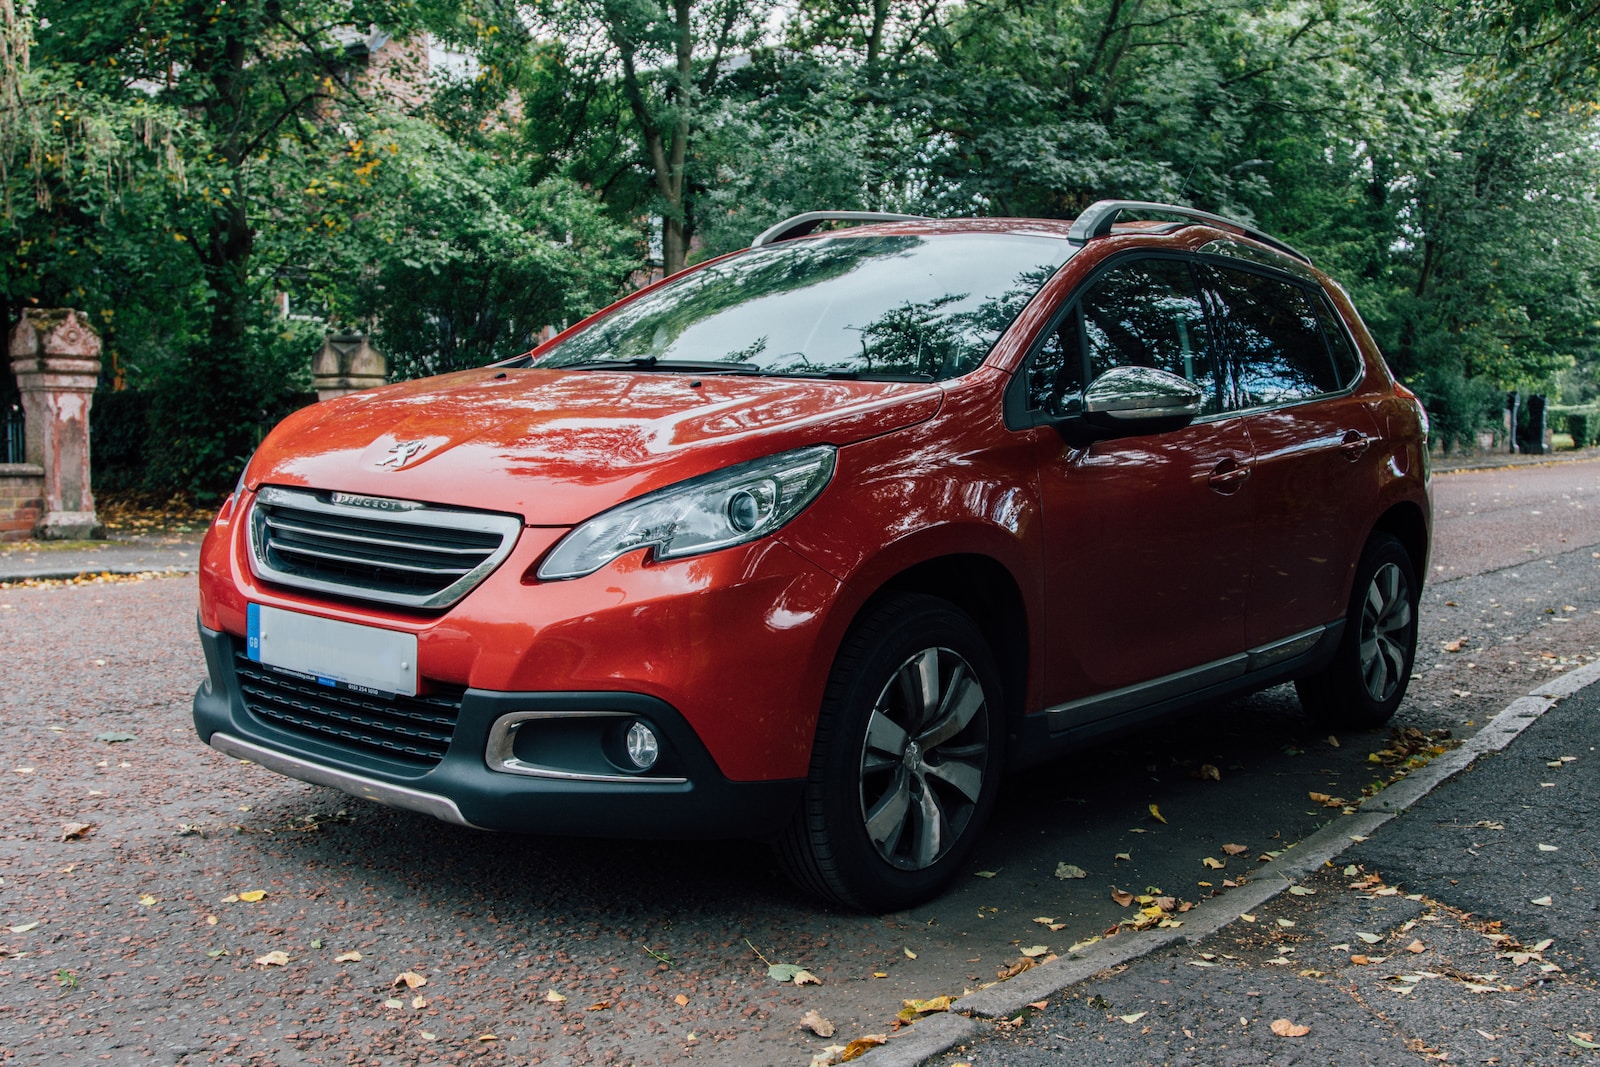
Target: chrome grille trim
point(413, 556)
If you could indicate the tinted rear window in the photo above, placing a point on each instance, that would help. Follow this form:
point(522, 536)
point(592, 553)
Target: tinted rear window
point(1275, 343)
point(928, 305)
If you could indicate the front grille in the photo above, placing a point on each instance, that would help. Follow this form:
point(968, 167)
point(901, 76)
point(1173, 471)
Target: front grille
point(375, 548)
point(414, 731)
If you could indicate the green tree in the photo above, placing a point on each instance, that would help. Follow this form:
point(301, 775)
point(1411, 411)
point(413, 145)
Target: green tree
point(455, 257)
point(656, 67)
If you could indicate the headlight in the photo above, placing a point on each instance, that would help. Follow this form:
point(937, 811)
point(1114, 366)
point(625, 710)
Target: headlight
point(728, 507)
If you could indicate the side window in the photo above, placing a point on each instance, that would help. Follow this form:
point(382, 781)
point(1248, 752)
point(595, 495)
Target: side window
point(1274, 341)
point(1149, 314)
point(1055, 373)
point(1346, 362)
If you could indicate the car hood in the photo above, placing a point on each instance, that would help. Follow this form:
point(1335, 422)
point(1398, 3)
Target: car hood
point(559, 446)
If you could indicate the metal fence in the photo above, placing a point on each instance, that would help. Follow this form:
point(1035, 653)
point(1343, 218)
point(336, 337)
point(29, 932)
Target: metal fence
point(13, 440)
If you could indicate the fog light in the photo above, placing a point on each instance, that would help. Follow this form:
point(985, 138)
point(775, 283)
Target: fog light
point(643, 748)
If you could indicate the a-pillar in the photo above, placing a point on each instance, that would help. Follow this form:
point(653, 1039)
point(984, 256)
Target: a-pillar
point(56, 357)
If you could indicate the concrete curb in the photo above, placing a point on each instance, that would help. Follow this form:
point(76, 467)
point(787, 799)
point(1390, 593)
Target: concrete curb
point(938, 1034)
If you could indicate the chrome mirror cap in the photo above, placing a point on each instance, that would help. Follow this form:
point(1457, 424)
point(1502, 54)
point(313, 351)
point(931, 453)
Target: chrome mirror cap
point(1137, 394)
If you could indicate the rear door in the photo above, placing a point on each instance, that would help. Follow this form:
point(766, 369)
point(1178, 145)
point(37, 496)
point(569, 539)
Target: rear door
point(1293, 373)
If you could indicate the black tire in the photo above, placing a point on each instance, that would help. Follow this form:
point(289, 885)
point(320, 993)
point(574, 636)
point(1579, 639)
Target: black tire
point(1367, 679)
point(906, 763)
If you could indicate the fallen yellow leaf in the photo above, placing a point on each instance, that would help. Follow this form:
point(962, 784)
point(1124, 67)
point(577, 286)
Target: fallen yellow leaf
point(347, 957)
point(410, 979)
point(1155, 813)
point(861, 1046)
point(273, 959)
point(250, 896)
point(1285, 1028)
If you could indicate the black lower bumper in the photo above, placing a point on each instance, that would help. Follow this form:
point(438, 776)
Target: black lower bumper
point(694, 800)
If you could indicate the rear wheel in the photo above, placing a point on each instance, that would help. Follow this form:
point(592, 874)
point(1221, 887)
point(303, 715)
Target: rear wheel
point(905, 766)
point(1367, 679)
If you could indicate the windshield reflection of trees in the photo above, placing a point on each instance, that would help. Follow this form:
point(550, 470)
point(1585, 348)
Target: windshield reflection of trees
point(930, 334)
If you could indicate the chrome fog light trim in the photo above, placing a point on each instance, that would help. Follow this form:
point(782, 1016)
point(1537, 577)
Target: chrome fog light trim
point(500, 752)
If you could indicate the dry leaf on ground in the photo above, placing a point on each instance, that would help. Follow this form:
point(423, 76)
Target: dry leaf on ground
point(861, 1046)
point(1285, 1028)
point(814, 1022)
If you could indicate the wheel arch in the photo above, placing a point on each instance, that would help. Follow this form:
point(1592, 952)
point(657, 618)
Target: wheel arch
point(985, 590)
point(1406, 524)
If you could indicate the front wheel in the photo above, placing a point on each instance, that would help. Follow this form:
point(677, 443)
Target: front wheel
point(906, 762)
point(1367, 679)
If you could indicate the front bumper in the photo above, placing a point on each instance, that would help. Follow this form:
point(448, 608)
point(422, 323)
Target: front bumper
point(687, 798)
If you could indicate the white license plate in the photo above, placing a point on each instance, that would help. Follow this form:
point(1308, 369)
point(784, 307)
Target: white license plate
point(333, 652)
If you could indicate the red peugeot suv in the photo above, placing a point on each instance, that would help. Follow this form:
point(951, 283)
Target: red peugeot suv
point(811, 542)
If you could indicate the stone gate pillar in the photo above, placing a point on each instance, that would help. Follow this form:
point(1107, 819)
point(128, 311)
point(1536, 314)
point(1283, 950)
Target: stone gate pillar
point(345, 363)
point(56, 357)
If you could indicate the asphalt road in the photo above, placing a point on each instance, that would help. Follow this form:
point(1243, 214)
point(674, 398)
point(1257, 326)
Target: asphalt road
point(138, 938)
point(1466, 931)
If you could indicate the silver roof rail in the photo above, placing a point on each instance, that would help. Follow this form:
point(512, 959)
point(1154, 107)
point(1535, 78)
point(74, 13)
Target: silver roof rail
point(803, 224)
point(1097, 218)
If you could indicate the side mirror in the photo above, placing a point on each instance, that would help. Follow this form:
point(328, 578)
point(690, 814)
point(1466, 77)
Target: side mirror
point(1137, 400)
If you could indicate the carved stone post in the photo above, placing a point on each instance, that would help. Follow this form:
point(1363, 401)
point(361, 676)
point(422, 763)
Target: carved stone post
point(56, 357)
point(346, 363)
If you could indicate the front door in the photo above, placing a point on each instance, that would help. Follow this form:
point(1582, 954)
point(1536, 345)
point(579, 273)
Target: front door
point(1148, 538)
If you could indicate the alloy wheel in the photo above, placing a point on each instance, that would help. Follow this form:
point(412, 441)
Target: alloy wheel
point(923, 758)
point(1385, 628)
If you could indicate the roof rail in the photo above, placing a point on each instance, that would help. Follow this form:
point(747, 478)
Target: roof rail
point(803, 224)
point(1097, 218)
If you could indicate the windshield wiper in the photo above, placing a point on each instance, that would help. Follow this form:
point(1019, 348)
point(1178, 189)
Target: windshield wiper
point(855, 375)
point(684, 366)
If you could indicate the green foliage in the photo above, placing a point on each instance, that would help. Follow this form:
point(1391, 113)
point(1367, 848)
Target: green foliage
point(169, 166)
point(457, 258)
point(188, 446)
point(1460, 408)
point(1582, 423)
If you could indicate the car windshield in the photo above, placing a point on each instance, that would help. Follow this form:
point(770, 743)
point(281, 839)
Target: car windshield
point(925, 307)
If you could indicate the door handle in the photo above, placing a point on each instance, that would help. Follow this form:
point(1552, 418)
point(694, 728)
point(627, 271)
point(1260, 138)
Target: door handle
point(1226, 477)
point(1355, 445)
